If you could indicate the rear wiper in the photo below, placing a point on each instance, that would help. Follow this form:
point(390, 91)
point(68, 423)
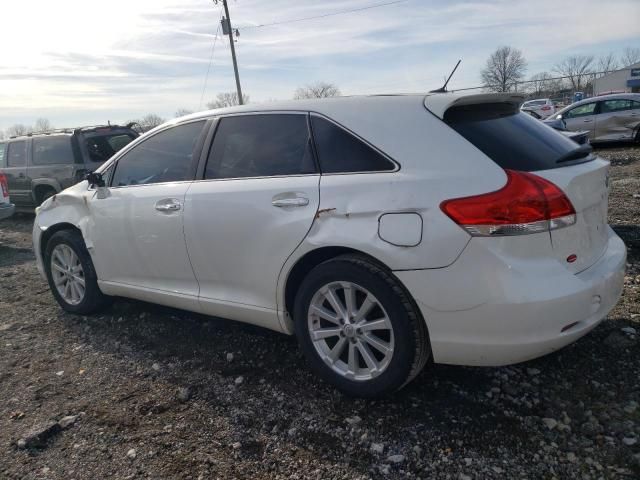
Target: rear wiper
point(580, 152)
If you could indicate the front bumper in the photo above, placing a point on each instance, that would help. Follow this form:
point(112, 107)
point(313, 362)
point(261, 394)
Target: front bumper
point(485, 310)
point(6, 210)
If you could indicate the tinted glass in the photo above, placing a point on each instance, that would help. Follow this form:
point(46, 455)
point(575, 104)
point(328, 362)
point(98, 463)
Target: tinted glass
point(52, 150)
point(513, 140)
point(17, 154)
point(615, 106)
point(102, 147)
point(635, 105)
point(340, 152)
point(2, 147)
point(164, 157)
point(581, 111)
point(261, 146)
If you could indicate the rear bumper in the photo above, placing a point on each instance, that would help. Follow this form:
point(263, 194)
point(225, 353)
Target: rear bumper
point(487, 311)
point(6, 210)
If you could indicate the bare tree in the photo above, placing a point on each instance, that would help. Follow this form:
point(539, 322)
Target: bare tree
point(317, 90)
point(150, 121)
point(630, 55)
point(543, 83)
point(181, 112)
point(607, 63)
point(18, 129)
point(227, 99)
point(505, 67)
point(42, 125)
point(576, 67)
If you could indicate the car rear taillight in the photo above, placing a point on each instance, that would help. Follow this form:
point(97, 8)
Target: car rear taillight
point(546, 107)
point(4, 185)
point(526, 204)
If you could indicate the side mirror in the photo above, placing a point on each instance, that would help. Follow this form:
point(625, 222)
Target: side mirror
point(95, 179)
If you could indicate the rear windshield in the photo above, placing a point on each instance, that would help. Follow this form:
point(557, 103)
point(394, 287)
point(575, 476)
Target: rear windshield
point(102, 146)
point(515, 140)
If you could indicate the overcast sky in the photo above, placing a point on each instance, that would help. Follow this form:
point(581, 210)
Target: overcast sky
point(78, 62)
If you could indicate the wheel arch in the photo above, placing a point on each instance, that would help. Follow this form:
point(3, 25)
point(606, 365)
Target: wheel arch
point(50, 231)
point(315, 257)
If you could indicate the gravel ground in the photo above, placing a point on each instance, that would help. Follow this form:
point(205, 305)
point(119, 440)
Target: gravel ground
point(148, 392)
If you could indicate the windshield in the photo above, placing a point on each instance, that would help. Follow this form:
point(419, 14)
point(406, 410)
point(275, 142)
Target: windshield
point(514, 140)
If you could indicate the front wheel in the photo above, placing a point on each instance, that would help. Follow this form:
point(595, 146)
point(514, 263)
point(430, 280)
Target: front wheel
point(358, 327)
point(71, 275)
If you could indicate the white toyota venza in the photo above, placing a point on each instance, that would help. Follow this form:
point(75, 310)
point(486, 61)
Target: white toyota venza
point(383, 231)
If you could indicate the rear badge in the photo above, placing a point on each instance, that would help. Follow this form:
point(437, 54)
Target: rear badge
point(572, 258)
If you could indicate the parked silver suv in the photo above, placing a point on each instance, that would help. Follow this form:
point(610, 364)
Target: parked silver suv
point(38, 166)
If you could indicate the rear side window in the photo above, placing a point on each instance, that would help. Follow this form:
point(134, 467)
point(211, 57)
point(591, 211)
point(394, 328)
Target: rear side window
point(164, 157)
point(17, 154)
point(52, 150)
point(609, 106)
point(340, 152)
point(102, 147)
point(512, 139)
point(261, 146)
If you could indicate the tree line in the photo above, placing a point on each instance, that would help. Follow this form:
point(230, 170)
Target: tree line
point(506, 67)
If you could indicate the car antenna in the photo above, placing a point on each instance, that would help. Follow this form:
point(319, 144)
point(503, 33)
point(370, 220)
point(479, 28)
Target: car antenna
point(443, 89)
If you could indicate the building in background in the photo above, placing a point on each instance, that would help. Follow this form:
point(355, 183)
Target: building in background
point(626, 80)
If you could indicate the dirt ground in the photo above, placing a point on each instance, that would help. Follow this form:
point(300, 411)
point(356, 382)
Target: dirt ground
point(151, 392)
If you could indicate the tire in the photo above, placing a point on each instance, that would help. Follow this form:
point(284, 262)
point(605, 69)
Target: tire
point(92, 299)
point(407, 336)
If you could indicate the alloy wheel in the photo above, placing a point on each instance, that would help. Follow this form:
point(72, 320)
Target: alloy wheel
point(350, 330)
point(67, 274)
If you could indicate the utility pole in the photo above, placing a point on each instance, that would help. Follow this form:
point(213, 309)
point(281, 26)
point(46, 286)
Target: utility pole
point(227, 30)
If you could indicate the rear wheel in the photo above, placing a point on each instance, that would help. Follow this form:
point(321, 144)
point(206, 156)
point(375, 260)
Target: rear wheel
point(358, 327)
point(71, 275)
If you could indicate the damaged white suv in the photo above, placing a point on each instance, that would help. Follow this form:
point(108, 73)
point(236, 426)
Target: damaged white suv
point(383, 231)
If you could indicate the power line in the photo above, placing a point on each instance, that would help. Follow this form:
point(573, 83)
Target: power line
point(341, 12)
point(213, 49)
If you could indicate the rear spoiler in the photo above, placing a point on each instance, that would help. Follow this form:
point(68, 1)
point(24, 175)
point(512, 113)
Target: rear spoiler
point(439, 103)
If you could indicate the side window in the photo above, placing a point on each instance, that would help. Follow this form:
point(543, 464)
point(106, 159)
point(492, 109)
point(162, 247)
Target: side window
point(52, 150)
point(102, 147)
point(635, 105)
point(261, 146)
point(17, 154)
point(2, 148)
point(581, 111)
point(341, 152)
point(609, 106)
point(164, 157)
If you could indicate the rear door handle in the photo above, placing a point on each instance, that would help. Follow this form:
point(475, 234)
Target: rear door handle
point(290, 202)
point(168, 205)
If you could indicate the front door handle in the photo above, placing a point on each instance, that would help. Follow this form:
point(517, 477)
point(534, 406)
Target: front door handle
point(290, 202)
point(168, 205)
point(587, 121)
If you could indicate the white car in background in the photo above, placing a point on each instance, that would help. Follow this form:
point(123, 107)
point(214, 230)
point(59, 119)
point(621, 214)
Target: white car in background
point(543, 107)
point(383, 231)
point(6, 207)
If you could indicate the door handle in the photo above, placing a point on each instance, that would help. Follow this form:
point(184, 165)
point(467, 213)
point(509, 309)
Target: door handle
point(587, 121)
point(168, 205)
point(21, 175)
point(290, 202)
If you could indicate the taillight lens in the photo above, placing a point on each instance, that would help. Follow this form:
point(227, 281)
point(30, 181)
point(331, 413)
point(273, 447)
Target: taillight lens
point(526, 204)
point(546, 107)
point(4, 185)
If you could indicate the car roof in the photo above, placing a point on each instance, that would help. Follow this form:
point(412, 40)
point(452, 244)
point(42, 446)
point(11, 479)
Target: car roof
point(69, 131)
point(436, 103)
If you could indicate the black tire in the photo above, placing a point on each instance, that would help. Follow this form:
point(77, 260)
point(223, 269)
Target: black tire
point(412, 347)
point(93, 299)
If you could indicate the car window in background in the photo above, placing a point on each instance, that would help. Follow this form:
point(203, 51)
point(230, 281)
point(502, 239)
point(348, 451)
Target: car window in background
point(340, 152)
point(52, 150)
point(102, 147)
point(2, 148)
point(164, 157)
point(619, 105)
point(261, 146)
point(17, 154)
point(581, 111)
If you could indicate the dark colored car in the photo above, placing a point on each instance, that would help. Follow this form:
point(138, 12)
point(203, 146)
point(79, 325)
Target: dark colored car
point(37, 166)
